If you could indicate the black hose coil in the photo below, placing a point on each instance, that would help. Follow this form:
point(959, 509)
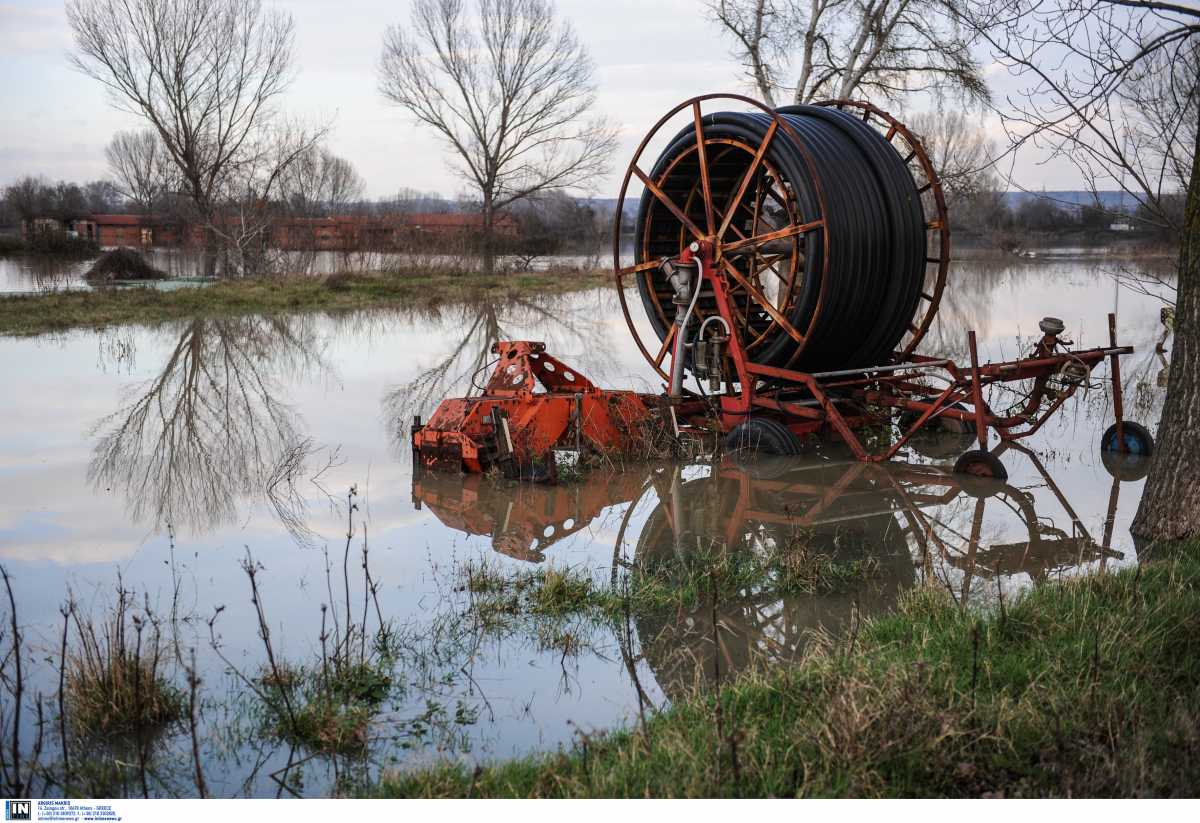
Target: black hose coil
point(876, 229)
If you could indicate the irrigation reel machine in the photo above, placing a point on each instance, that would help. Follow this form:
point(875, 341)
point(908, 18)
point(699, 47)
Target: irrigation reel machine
point(792, 260)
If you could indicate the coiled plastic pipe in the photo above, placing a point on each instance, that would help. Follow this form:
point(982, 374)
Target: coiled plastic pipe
point(876, 229)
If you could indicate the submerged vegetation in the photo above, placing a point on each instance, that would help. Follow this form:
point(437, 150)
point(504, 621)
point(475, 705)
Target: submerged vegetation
point(326, 706)
point(790, 568)
point(114, 680)
point(61, 310)
point(1082, 688)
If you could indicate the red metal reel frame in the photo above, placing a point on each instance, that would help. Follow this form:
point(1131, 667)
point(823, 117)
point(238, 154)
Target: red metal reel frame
point(711, 232)
point(897, 387)
point(891, 128)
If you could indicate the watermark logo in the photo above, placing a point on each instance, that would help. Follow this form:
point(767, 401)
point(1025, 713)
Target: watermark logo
point(18, 810)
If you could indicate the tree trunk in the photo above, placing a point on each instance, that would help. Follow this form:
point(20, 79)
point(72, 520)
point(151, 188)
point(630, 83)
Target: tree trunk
point(1170, 506)
point(488, 247)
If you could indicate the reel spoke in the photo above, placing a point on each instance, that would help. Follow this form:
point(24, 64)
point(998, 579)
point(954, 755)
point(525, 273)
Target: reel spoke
point(779, 234)
point(643, 266)
point(669, 203)
point(666, 345)
point(762, 301)
point(702, 156)
point(750, 174)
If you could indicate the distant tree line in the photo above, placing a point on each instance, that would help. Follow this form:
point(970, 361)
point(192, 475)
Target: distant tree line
point(31, 197)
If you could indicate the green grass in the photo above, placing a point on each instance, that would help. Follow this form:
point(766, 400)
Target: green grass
point(1084, 688)
point(59, 311)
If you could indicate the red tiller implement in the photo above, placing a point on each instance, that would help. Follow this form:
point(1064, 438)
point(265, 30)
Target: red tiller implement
point(793, 260)
point(513, 426)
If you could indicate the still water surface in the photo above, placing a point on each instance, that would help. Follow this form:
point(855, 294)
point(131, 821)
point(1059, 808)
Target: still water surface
point(164, 454)
point(33, 273)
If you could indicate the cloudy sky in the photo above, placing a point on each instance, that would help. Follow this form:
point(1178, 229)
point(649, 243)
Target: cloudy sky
point(649, 55)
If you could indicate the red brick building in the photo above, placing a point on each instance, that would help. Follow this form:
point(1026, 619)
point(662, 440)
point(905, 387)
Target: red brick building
point(132, 230)
point(336, 233)
point(355, 232)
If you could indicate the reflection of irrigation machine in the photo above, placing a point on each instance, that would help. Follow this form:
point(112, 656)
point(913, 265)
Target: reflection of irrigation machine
point(792, 260)
point(911, 519)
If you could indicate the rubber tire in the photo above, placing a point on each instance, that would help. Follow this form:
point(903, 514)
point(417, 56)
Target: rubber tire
point(762, 435)
point(1138, 440)
point(981, 472)
point(945, 425)
point(980, 463)
point(1125, 467)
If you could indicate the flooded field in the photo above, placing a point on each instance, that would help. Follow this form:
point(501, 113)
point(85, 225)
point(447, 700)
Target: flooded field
point(184, 463)
point(31, 273)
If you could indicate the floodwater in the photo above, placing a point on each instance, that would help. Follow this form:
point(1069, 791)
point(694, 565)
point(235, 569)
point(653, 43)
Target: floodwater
point(161, 458)
point(33, 273)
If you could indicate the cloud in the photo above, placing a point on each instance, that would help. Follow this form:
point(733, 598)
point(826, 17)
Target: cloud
point(32, 29)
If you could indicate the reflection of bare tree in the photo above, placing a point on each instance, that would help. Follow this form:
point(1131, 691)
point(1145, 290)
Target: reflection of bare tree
point(565, 324)
point(209, 430)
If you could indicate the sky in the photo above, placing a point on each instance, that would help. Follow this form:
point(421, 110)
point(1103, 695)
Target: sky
point(649, 56)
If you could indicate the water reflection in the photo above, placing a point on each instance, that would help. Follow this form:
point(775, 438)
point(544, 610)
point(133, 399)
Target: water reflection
point(209, 429)
point(904, 524)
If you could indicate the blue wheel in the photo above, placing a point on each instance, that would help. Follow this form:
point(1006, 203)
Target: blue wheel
point(1138, 440)
point(1134, 462)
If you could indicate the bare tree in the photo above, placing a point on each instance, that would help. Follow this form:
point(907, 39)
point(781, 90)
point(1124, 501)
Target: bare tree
point(319, 183)
point(32, 197)
point(205, 74)
point(512, 96)
point(144, 172)
point(1109, 86)
point(29, 197)
point(959, 150)
point(249, 199)
point(1084, 59)
point(963, 155)
point(801, 51)
point(1162, 101)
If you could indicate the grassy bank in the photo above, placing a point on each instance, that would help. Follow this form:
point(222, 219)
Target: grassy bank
point(58, 311)
point(1086, 688)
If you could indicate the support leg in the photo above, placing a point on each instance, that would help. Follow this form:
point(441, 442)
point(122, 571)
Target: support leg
point(981, 431)
point(1115, 369)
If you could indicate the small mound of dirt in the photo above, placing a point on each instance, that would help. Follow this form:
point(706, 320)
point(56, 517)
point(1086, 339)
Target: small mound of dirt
point(123, 264)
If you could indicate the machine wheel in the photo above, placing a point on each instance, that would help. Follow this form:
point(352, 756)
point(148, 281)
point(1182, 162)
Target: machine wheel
point(982, 472)
point(1133, 463)
point(1138, 440)
point(761, 435)
point(949, 425)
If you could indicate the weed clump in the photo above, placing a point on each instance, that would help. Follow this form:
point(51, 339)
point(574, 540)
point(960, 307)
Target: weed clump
point(546, 592)
point(327, 706)
point(114, 681)
point(328, 711)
